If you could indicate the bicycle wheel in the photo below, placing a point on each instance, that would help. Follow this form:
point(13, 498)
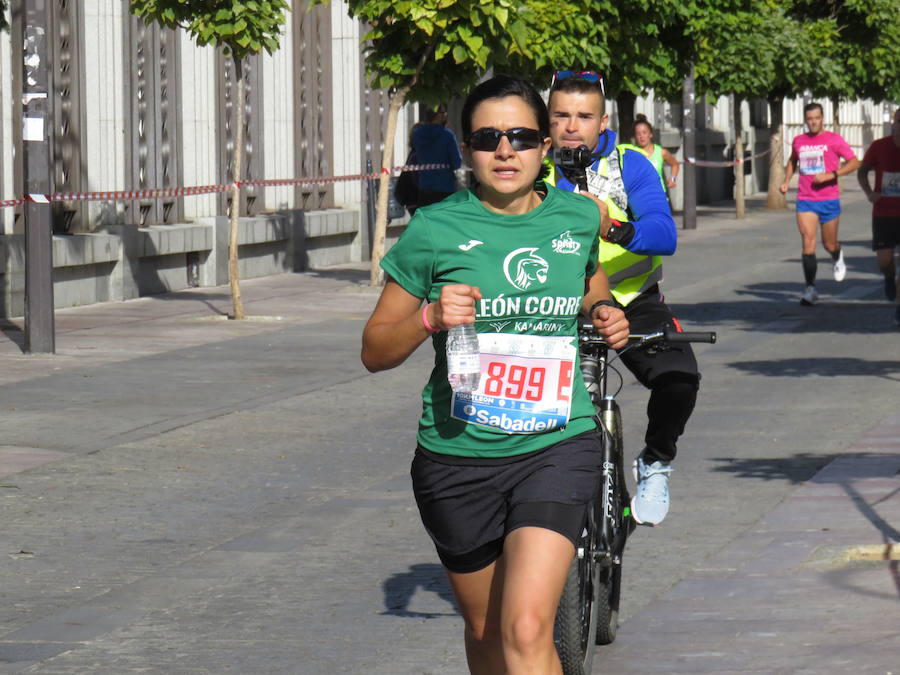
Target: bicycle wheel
point(609, 586)
point(576, 616)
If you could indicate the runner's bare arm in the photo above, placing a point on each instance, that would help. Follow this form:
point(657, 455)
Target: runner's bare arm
point(674, 166)
point(862, 175)
point(396, 327)
point(610, 322)
point(788, 174)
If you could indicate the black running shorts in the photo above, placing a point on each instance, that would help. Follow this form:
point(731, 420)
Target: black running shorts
point(885, 233)
point(468, 505)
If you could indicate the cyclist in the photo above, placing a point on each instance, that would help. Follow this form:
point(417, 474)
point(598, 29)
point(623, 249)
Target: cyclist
point(884, 156)
point(503, 508)
point(626, 185)
point(643, 137)
point(818, 155)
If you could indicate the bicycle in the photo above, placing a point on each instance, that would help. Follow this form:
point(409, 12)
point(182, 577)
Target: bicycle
point(588, 611)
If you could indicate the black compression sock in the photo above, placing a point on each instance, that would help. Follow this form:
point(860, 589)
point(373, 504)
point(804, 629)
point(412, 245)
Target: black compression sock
point(836, 254)
point(809, 268)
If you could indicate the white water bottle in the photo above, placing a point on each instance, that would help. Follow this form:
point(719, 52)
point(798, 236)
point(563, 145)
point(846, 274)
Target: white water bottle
point(463, 358)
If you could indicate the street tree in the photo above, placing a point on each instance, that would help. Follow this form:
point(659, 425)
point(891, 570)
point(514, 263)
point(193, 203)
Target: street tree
point(242, 28)
point(736, 56)
point(741, 48)
point(560, 35)
point(646, 43)
point(428, 50)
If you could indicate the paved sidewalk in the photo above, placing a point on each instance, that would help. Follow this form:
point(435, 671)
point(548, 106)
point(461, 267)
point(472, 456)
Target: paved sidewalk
point(814, 587)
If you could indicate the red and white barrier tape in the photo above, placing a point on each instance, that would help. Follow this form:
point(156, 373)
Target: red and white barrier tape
point(162, 193)
point(733, 162)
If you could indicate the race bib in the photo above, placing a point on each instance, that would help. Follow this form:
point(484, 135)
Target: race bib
point(890, 184)
point(526, 384)
point(812, 162)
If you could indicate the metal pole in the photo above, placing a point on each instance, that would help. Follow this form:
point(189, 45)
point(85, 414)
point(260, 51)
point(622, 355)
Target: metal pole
point(689, 182)
point(37, 121)
point(371, 190)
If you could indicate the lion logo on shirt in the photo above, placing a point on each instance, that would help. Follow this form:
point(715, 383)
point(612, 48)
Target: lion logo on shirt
point(524, 266)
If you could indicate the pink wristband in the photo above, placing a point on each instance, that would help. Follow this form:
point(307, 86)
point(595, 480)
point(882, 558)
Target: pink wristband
point(428, 326)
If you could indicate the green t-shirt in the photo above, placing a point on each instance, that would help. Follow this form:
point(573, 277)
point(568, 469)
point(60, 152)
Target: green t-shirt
point(531, 270)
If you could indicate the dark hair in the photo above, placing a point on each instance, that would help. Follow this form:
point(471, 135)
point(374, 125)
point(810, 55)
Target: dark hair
point(641, 118)
point(813, 106)
point(501, 86)
point(578, 85)
point(433, 114)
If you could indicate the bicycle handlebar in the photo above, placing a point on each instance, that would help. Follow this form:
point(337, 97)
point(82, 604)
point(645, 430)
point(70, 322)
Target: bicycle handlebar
point(690, 336)
point(588, 334)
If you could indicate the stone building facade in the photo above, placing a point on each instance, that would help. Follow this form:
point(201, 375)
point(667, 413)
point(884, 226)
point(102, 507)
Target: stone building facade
point(139, 107)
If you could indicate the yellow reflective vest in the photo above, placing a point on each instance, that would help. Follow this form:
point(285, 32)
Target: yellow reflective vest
point(630, 274)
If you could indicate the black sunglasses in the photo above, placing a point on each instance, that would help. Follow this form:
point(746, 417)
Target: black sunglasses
point(520, 139)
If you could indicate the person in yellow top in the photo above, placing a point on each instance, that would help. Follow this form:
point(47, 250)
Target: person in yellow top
point(637, 229)
point(657, 154)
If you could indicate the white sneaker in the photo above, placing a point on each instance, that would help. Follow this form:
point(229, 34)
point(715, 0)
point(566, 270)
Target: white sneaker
point(650, 503)
point(809, 297)
point(840, 269)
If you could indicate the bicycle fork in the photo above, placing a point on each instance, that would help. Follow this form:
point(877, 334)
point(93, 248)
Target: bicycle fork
point(611, 541)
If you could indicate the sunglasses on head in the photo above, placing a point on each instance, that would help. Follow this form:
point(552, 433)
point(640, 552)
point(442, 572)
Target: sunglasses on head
point(520, 139)
point(586, 75)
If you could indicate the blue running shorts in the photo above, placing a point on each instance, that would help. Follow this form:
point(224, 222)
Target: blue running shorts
point(827, 210)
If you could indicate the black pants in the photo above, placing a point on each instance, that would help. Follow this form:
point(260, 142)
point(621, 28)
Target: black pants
point(670, 373)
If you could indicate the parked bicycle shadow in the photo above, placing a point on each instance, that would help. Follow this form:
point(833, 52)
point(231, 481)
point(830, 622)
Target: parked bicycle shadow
point(846, 471)
point(400, 588)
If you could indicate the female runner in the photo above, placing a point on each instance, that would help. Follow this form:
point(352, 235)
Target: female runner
point(657, 154)
point(502, 477)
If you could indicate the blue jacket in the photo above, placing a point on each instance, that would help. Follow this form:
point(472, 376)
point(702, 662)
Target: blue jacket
point(435, 144)
point(654, 227)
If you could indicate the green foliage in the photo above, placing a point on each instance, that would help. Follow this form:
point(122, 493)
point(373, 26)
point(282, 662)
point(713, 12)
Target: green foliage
point(765, 48)
point(868, 48)
point(463, 38)
point(647, 46)
point(559, 34)
point(457, 37)
point(4, 7)
point(245, 27)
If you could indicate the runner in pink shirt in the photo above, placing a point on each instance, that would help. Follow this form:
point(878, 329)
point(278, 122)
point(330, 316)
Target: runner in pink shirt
point(817, 154)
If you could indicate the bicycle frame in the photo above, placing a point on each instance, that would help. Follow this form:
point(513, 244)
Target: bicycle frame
point(589, 606)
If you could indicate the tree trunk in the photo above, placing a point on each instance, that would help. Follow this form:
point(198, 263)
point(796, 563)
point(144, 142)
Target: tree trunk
point(236, 301)
point(625, 110)
point(376, 275)
point(776, 200)
point(740, 206)
point(398, 98)
point(836, 107)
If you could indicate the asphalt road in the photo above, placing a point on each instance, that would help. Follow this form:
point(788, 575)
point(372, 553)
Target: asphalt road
point(242, 505)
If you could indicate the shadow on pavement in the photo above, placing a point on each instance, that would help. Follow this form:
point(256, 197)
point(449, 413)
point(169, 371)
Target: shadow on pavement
point(774, 308)
point(351, 274)
point(844, 471)
point(13, 333)
point(400, 588)
point(821, 367)
point(796, 469)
